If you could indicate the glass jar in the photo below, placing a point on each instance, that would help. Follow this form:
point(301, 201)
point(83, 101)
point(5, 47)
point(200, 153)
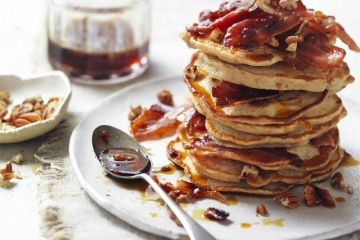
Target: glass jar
point(96, 41)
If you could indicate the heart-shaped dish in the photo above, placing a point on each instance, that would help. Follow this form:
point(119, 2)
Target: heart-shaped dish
point(48, 85)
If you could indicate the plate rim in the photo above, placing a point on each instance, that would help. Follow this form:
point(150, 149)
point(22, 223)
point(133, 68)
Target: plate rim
point(348, 228)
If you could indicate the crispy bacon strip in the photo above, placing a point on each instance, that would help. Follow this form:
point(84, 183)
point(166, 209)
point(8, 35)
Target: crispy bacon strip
point(316, 50)
point(194, 122)
point(248, 26)
point(230, 94)
point(227, 15)
point(345, 38)
point(152, 124)
point(156, 122)
point(252, 33)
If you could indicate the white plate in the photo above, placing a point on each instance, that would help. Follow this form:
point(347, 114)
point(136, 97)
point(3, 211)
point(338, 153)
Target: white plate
point(150, 216)
point(51, 84)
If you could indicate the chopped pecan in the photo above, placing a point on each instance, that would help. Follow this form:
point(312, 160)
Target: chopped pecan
point(288, 4)
point(122, 157)
point(18, 159)
point(261, 210)
point(250, 172)
point(337, 181)
point(217, 35)
point(135, 112)
point(7, 168)
point(216, 214)
point(165, 97)
point(349, 189)
point(273, 42)
point(315, 196)
point(6, 174)
point(191, 72)
point(288, 199)
point(264, 5)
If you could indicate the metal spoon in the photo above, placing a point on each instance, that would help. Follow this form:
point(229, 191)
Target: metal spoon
point(133, 162)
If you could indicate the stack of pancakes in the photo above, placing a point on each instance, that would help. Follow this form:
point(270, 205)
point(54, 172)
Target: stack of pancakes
point(259, 124)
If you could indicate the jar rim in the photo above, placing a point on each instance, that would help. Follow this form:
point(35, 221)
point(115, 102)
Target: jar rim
point(80, 6)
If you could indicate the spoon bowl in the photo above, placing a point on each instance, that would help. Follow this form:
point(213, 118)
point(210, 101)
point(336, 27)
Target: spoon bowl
point(119, 154)
point(123, 157)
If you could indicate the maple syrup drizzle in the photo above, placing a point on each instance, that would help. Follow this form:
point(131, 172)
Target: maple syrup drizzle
point(245, 225)
point(340, 199)
point(199, 214)
point(275, 222)
point(349, 161)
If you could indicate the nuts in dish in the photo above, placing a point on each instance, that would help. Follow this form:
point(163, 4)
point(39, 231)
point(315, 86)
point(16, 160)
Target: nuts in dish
point(33, 118)
point(31, 110)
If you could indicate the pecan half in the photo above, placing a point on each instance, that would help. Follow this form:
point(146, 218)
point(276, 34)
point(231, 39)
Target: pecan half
point(288, 4)
point(337, 181)
point(315, 196)
point(217, 35)
point(261, 210)
point(165, 97)
point(191, 72)
point(288, 199)
point(135, 112)
point(216, 214)
point(249, 172)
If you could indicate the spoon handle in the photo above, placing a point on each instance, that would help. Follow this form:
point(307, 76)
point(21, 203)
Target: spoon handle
point(194, 230)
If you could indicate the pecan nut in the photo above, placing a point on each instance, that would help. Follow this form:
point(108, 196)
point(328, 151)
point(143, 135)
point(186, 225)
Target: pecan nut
point(288, 199)
point(315, 196)
point(165, 97)
point(261, 210)
point(337, 181)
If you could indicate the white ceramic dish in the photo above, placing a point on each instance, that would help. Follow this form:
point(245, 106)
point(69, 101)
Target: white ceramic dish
point(46, 85)
point(131, 205)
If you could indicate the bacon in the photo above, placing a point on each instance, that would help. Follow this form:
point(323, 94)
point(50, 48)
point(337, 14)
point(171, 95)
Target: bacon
point(152, 124)
point(222, 19)
point(252, 33)
point(345, 38)
point(194, 122)
point(230, 94)
point(250, 24)
point(316, 50)
point(328, 26)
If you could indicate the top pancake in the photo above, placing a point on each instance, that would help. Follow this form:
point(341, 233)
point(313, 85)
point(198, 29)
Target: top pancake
point(280, 76)
point(263, 56)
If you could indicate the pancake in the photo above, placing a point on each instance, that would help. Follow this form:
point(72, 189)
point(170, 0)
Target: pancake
point(267, 184)
point(303, 158)
point(280, 76)
point(233, 171)
point(282, 108)
point(327, 110)
point(262, 56)
point(212, 184)
point(246, 140)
